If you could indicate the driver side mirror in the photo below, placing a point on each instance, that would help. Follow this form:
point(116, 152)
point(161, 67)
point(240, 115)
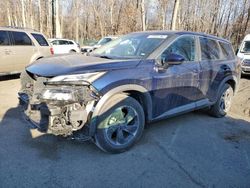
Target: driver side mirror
point(172, 59)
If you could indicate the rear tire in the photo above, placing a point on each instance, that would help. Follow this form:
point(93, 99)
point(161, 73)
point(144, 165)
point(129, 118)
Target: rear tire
point(223, 104)
point(120, 124)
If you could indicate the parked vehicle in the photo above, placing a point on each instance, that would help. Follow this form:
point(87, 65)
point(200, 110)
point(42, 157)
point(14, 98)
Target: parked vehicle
point(64, 46)
point(100, 43)
point(138, 78)
point(20, 47)
point(244, 55)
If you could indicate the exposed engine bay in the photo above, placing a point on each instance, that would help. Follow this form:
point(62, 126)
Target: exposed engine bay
point(55, 107)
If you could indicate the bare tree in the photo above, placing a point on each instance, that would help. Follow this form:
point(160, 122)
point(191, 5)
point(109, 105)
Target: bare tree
point(175, 12)
point(143, 15)
point(23, 13)
point(88, 19)
point(58, 25)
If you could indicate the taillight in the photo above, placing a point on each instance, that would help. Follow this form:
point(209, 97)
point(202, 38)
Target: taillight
point(52, 51)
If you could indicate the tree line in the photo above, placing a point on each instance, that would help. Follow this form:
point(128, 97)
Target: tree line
point(92, 19)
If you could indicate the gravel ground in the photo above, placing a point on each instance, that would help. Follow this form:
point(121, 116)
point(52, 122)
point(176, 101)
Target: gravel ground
point(241, 102)
point(192, 150)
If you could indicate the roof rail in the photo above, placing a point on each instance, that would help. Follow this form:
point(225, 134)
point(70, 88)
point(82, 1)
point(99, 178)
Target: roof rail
point(16, 27)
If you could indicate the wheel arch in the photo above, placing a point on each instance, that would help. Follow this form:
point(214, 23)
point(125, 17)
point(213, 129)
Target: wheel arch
point(231, 80)
point(136, 91)
point(72, 50)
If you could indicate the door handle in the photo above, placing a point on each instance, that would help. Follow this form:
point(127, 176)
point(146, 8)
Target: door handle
point(225, 68)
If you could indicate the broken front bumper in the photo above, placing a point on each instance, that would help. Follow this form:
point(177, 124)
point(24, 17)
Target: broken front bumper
point(61, 119)
point(58, 108)
point(36, 114)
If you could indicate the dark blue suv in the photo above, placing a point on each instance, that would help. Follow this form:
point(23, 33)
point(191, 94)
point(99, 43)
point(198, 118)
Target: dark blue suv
point(109, 95)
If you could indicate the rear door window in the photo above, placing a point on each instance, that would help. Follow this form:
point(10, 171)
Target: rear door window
point(40, 39)
point(4, 38)
point(21, 38)
point(184, 46)
point(209, 49)
point(55, 42)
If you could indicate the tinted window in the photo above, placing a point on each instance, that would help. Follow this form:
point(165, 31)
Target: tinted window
point(209, 49)
point(227, 50)
point(21, 38)
point(40, 39)
point(4, 38)
point(55, 42)
point(63, 42)
point(184, 46)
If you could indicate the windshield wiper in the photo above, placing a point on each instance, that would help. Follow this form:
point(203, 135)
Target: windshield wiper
point(104, 56)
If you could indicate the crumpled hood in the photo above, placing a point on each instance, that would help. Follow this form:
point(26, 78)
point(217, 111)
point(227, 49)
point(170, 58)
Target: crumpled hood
point(75, 64)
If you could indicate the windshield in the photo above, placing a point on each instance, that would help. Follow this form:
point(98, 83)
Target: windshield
point(139, 45)
point(246, 47)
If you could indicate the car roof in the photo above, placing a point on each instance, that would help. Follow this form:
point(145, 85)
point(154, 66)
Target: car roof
point(184, 33)
point(20, 29)
point(247, 37)
point(60, 39)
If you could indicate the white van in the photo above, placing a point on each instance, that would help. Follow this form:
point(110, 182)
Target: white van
point(244, 54)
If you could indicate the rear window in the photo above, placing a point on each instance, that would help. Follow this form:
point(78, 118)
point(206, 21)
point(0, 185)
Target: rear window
point(227, 50)
point(4, 38)
point(209, 49)
point(40, 39)
point(21, 38)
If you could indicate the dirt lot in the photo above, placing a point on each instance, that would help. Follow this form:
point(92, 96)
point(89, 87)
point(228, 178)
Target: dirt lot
point(192, 150)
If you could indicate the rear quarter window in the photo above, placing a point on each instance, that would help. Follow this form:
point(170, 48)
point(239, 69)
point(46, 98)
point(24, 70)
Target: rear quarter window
point(40, 39)
point(227, 50)
point(4, 38)
point(209, 49)
point(21, 38)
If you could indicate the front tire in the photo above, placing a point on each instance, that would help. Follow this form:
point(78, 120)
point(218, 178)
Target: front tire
point(72, 51)
point(120, 124)
point(223, 104)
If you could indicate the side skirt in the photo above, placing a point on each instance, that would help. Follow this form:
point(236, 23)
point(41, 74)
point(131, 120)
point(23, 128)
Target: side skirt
point(184, 109)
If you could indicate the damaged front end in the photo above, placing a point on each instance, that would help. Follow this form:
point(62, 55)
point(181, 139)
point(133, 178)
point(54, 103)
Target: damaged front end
point(60, 105)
